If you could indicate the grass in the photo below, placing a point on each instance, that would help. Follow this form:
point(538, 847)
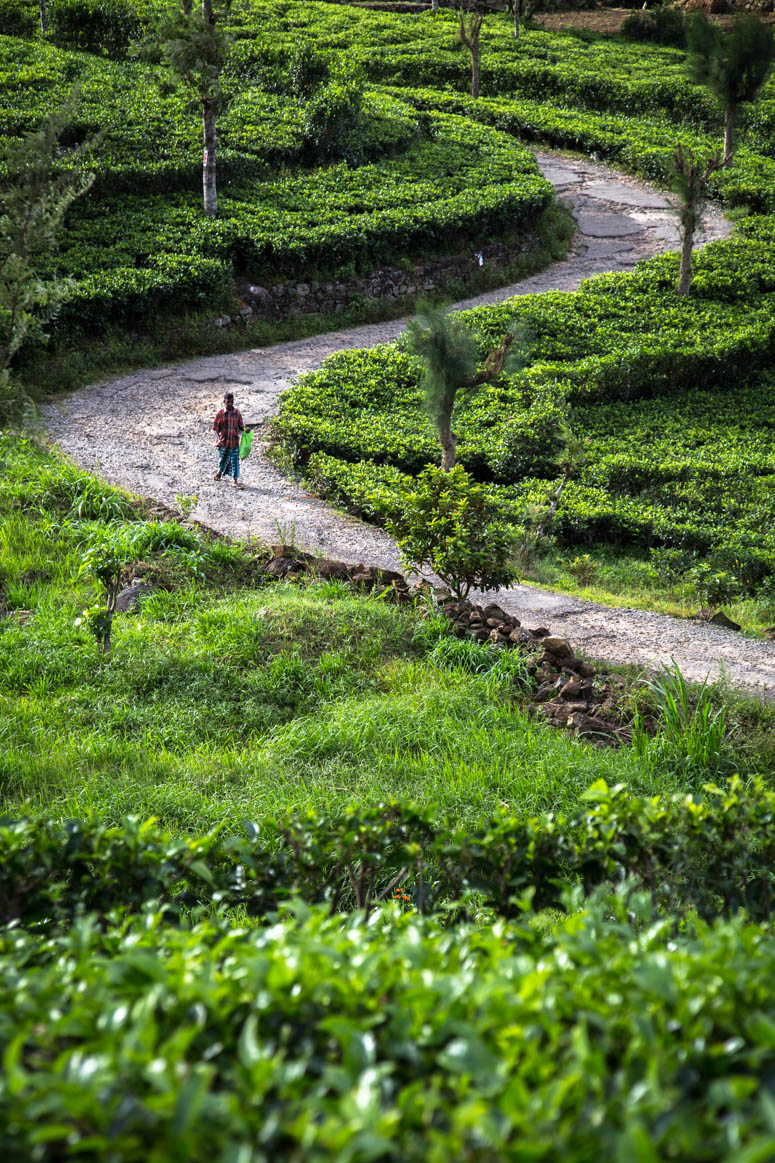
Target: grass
point(615, 576)
point(52, 370)
point(226, 698)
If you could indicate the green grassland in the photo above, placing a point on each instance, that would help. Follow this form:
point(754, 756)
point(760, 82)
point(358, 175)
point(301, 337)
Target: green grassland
point(227, 698)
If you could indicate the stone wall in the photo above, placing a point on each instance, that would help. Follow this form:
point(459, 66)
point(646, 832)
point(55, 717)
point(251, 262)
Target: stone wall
point(333, 297)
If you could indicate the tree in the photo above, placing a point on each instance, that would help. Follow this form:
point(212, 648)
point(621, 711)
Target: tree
point(34, 199)
point(689, 178)
point(470, 29)
point(196, 49)
point(515, 7)
point(734, 64)
point(43, 17)
point(449, 352)
point(450, 524)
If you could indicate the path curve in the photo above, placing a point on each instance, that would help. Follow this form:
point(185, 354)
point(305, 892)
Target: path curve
point(150, 433)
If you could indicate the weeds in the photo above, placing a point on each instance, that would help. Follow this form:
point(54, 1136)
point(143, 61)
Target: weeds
point(692, 735)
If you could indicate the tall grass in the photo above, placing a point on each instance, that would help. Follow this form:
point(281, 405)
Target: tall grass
point(692, 735)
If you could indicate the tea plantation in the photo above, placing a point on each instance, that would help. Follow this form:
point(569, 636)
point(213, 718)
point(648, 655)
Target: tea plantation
point(292, 872)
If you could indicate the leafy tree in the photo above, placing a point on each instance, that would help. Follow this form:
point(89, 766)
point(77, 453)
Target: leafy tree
point(449, 352)
point(34, 198)
point(469, 32)
point(196, 49)
point(689, 178)
point(734, 64)
point(451, 525)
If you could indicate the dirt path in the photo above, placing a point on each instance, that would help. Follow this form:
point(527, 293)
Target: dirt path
point(150, 433)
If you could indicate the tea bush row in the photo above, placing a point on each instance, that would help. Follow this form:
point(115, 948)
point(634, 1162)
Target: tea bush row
point(317, 1038)
point(713, 856)
point(439, 180)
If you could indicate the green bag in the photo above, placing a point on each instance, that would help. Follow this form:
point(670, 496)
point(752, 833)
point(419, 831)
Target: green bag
point(245, 445)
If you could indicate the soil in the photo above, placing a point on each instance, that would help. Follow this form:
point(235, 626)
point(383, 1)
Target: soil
point(150, 433)
point(608, 21)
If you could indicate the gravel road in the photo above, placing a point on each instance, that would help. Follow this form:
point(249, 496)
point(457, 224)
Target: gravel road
point(150, 433)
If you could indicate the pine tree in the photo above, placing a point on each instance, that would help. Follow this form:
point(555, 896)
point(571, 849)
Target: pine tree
point(448, 350)
point(734, 64)
point(34, 199)
point(689, 178)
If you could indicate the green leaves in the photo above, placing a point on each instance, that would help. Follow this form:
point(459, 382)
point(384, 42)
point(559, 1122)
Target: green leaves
point(449, 524)
point(393, 1039)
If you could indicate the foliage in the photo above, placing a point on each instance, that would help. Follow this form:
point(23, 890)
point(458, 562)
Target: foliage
point(663, 25)
point(106, 27)
point(34, 199)
point(450, 525)
point(196, 49)
point(735, 63)
point(711, 855)
point(396, 1039)
point(691, 733)
point(333, 114)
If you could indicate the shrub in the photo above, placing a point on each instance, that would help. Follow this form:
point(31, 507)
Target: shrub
point(449, 524)
point(97, 26)
point(663, 25)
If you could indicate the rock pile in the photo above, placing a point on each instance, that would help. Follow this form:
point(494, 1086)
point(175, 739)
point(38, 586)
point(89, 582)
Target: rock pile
point(570, 692)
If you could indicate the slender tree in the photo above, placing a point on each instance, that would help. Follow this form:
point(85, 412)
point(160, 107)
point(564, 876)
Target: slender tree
point(196, 49)
point(448, 350)
point(734, 64)
point(43, 17)
point(469, 32)
point(689, 178)
point(515, 9)
point(34, 199)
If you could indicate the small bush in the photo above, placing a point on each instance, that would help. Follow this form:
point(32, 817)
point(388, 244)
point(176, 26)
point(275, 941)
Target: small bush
point(665, 25)
point(451, 525)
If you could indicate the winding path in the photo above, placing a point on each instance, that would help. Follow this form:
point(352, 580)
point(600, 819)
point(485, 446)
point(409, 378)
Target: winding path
point(150, 433)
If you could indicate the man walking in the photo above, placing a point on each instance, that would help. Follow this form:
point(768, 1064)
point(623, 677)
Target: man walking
point(228, 427)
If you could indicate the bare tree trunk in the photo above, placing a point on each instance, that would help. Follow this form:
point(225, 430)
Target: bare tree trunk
point(517, 6)
point(43, 17)
point(448, 444)
point(434, 5)
point(687, 245)
point(730, 124)
point(470, 38)
point(541, 530)
point(209, 159)
point(207, 10)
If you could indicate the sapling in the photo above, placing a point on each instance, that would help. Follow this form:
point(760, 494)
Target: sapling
point(469, 32)
point(689, 178)
point(196, 48)
point(34, 198)
point(733, 64)
point(449, 351)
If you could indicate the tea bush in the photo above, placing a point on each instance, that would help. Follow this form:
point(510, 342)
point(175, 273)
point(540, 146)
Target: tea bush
point(712, 855)
point(314, 1039)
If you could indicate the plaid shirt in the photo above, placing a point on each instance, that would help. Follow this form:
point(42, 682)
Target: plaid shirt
point(228, 424)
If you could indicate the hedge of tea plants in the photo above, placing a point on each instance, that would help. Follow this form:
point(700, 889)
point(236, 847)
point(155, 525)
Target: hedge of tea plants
point(143, 1018)
point(394, 1039)
point(139, 242)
